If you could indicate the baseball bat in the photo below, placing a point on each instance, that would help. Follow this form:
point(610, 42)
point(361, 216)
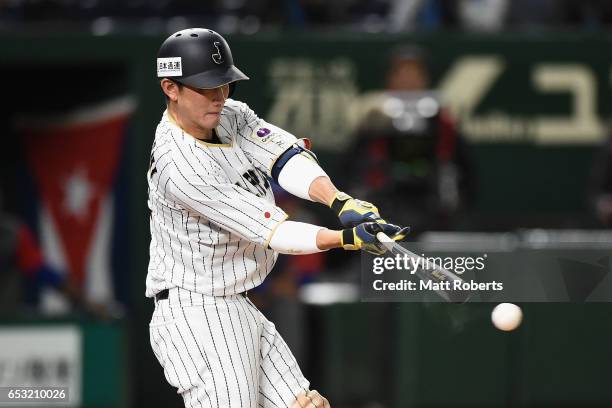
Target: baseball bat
point(433, 272)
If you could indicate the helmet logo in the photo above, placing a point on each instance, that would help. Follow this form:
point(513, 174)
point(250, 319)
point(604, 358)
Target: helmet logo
point(217, 57)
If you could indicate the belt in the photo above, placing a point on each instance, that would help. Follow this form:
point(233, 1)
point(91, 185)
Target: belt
point(162, 295)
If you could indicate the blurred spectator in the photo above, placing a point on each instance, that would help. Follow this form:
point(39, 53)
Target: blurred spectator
point(408, 156)
point(408, 70)
point(482, 15)
point(24, 273)
point(529, 14)
point(102, 17)
point(587, 14)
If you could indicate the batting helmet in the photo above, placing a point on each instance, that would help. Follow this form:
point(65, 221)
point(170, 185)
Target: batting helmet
point(198, 57)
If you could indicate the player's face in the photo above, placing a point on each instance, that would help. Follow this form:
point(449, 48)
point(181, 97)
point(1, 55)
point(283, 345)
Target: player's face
point(202, 107)
point(408, 75)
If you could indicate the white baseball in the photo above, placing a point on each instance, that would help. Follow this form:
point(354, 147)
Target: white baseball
point(507, 316)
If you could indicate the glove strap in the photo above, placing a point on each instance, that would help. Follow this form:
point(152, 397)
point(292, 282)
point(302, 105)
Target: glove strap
point(348, 237)
point(339, 200)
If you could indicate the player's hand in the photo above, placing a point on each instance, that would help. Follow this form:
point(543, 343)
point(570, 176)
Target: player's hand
point(310, 399)
point(363, 236)
point(352, 212)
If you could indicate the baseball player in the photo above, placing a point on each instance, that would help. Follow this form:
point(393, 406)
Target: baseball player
point(216, 232)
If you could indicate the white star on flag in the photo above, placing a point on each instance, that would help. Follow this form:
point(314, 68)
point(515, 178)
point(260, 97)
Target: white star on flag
point(78, 191)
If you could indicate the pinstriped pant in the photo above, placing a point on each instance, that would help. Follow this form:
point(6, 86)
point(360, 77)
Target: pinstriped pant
point(222, 352)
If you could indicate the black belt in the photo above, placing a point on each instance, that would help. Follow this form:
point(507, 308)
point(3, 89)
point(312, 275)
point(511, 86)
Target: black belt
point(164, 295)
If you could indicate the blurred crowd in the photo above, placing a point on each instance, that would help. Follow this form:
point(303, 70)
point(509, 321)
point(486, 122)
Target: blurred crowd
point(104, 16)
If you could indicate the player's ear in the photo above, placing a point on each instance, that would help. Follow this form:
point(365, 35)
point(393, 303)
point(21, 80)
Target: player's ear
point(170, 89)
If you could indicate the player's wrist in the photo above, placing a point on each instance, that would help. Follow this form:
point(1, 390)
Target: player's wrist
point(322, 190)
point(352, 212)
point(348, 240)
point(338, 201)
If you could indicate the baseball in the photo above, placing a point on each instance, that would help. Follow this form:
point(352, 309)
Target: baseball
point(507, 316)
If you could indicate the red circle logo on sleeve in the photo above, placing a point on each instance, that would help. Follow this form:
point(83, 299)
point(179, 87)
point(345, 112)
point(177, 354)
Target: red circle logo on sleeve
point(267, 214)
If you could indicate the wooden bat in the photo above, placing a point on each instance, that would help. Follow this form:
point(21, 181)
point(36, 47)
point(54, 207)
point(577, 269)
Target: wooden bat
point(428, 271)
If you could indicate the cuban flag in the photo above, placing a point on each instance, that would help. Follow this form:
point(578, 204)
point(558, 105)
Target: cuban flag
point(74, 161)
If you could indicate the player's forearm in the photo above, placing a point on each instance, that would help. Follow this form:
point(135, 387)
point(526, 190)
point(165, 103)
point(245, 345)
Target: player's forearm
point(304, 178)
point(322, 190)
point(328, 239)
point(292, 237)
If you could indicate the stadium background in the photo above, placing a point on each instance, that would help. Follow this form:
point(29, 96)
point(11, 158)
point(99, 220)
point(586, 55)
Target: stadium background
point(533, 149)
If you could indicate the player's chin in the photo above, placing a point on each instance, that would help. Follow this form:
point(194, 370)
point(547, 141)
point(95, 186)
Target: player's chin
point(211, 121)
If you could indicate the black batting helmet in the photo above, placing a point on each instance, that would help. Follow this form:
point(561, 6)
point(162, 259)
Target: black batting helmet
point(198, 57)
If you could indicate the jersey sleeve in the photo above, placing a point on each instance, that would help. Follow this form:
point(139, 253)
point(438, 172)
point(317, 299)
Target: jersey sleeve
point(229, 206)
point(262, 142)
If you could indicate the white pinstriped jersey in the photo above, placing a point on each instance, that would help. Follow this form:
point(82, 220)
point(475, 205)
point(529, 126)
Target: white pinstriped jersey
point(212, 207)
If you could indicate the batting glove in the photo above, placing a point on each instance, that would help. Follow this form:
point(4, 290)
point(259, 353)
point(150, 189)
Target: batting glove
point(352, 212)
point(363, 236)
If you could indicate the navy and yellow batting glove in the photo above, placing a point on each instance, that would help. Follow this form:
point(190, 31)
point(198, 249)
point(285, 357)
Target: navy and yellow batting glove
point(352, 212)
point(363, 236)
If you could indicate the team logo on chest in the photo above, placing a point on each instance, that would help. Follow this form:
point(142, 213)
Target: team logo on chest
point(258, 182)
point(217, 57)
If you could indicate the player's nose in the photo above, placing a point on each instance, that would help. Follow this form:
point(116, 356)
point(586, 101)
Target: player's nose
point(218, 94)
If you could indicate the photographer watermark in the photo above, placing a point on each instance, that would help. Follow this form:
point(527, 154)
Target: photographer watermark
point(409, 274)
point(458, 264)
